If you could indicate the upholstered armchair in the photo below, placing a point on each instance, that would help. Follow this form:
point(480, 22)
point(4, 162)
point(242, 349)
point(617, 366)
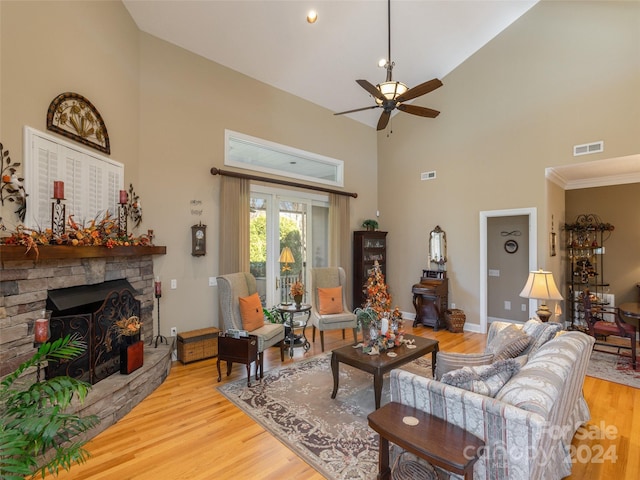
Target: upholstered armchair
point(231, 288)
point(339, 317)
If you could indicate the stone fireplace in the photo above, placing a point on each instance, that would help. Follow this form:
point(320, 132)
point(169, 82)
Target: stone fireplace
point(25, 284)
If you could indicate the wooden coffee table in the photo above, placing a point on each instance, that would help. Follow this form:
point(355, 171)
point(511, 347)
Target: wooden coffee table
point(378, 365)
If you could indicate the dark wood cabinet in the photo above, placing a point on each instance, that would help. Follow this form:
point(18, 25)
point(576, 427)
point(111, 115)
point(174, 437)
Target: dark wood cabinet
point(368, 247)
point(430, 299)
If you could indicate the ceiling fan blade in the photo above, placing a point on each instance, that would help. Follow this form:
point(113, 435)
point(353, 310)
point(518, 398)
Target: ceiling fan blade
point(357, 110)
point(418, 90)
point(416, 110)
point(369, 87)
point(384, 119)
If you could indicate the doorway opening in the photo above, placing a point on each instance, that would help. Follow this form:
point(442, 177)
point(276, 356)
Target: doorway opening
point(510, 246)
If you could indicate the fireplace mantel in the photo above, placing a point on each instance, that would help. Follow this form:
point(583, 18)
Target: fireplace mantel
point(55, 252)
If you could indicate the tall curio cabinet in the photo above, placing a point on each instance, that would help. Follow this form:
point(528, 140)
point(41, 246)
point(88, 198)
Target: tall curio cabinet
point(586, 255)
point(368, 247)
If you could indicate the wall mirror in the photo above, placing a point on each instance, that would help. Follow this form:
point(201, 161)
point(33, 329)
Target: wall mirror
point(437, 248)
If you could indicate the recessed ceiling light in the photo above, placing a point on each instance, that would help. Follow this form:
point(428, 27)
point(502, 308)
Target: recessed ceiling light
point(312, 16)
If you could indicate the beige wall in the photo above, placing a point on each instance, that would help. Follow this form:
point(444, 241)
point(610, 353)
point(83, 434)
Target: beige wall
point(48, 48)
point(618, 205)
point(565, 73)
point(166, 111)
point(186, 103)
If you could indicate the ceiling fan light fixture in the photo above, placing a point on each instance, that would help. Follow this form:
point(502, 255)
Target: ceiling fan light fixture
point(390, 90)
point(382, 63)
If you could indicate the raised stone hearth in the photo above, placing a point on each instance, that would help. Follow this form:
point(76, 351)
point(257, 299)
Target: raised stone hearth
point(115, 396)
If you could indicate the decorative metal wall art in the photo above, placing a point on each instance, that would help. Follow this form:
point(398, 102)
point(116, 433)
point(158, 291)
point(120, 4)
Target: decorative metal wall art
point(134, 207)
point(75, 117)
point(12, 186)
point(122, 213)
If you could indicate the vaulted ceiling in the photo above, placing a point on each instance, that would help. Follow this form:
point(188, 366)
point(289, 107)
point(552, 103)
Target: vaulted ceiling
point(271, 40)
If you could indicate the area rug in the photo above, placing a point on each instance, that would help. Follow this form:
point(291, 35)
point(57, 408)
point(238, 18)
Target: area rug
point(613, 367)
point(294, 404)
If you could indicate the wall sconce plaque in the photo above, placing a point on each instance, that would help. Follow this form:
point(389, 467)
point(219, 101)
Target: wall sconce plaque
point(198, 240)
point(75, 117)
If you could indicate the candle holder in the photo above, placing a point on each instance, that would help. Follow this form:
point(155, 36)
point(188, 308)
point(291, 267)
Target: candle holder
point(159, 338)
point(42, 334)
point(58, 217)
point(122, 220)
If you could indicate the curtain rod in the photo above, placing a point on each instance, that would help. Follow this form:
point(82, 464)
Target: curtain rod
point(217, 171)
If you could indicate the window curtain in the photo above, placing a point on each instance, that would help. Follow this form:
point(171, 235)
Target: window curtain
point(340, 235)
point(234, 225)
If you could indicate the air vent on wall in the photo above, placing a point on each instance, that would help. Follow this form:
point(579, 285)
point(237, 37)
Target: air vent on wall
point(428, 175)
point(587, 148)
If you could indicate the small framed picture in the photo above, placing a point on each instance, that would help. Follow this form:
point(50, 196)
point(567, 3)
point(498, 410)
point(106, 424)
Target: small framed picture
point(511, 246)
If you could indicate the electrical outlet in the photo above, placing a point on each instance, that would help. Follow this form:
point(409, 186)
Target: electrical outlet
point(507, 305)
point(212, 281)
point(174, 283)
point(523, 307)
point(174, 332)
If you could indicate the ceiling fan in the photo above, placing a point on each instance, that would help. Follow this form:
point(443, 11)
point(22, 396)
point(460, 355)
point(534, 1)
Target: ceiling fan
point(390, 95)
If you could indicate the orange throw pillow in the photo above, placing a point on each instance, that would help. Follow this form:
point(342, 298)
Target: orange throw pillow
point(330, 300)
point(251, 312)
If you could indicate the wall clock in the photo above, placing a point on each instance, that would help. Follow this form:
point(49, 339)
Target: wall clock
point(511, 246)
point(198, 240)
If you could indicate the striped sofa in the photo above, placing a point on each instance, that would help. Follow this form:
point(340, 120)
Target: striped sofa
point(528, 427)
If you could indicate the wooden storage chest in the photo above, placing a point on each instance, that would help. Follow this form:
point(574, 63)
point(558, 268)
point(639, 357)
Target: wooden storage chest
point(198, 344)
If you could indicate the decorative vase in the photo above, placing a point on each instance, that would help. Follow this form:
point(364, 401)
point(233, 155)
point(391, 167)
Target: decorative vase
point(298, 300)
point(373, 332)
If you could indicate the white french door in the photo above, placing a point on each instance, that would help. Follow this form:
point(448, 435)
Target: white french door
point(289, 236)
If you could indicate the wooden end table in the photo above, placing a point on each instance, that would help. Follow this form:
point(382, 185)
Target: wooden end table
point(380, 364)
point(242, 350)
point(432, 439)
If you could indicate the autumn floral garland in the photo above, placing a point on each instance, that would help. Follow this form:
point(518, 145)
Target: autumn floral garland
point(104, 232)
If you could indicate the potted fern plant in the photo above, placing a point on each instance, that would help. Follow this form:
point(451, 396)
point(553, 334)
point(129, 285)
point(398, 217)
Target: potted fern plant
point(36, 435)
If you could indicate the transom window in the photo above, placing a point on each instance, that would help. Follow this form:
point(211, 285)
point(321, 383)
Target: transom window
point(260, 155)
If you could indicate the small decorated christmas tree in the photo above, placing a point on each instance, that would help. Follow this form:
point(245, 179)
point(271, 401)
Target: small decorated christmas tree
point(378, 297)
point(382, 325)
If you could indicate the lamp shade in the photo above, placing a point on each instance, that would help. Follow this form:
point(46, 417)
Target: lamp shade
point(286, 256)
point(541, 286)
point(391, 90)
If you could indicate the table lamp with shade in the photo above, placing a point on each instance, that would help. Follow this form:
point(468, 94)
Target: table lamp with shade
point(541, 286)
point(286, 257)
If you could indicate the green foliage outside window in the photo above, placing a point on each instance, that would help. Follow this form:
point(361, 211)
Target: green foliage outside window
point(289, 237)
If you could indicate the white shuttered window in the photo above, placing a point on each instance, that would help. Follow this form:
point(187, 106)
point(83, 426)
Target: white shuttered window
point(91, 181)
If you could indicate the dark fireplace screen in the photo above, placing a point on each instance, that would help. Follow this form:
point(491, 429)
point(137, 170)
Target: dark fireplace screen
point(74, 312)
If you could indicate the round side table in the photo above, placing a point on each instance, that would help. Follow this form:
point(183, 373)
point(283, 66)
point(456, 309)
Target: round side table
point(287, 312)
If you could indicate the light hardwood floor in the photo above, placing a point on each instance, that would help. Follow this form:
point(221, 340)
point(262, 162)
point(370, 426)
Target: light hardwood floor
point(187, 430)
